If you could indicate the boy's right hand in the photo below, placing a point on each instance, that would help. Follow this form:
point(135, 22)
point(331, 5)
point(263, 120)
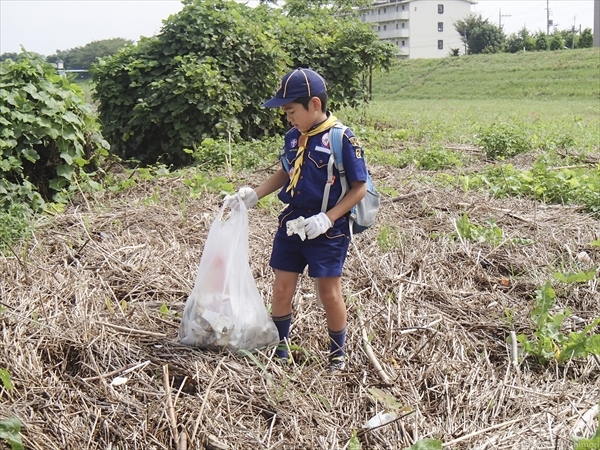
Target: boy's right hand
point(246, 194)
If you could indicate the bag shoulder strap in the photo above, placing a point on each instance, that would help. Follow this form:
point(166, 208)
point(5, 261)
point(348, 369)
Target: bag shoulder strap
point(336, 136)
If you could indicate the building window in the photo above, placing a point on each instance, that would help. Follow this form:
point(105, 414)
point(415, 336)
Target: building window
point(440, 9)
point(396, 9)
point(384, 10)
point(440, 45)
point(384, 27)
point(403, 24)
point(415, 8)
point(403, 7)
point(378, 11)
point(396, 26)
point(440, 26)
point(378, 28)
point(403, 43)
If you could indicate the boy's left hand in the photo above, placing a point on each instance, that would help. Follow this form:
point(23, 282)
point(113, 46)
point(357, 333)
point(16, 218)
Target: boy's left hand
point(315, 226)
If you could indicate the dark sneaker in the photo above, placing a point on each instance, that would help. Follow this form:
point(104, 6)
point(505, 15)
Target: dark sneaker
point(337, 364)
point(282, 361)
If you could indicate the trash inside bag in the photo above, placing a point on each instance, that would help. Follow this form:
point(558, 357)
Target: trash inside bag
point(225, 309)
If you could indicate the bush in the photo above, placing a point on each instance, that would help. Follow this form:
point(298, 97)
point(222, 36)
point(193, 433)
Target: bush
point(48, 136)
point(503, 140)
point(205, 75)
point(208, 71)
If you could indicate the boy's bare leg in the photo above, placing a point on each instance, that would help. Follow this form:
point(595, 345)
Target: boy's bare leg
point(284, 288)
point(330, 291)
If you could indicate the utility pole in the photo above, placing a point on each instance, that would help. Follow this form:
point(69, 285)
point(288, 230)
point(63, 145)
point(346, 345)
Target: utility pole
point(547, 16)
point(573, 41)
point(500, 16)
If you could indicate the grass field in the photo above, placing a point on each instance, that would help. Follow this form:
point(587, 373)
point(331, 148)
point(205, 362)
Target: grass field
point(546, 94)
point(565, 75)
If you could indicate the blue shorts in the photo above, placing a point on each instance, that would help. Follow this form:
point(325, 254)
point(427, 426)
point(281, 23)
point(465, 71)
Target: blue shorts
point(324, 255)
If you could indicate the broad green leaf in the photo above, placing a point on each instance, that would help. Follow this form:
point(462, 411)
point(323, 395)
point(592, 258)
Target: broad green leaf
point(578, 277)
point(65, 171)
point(354, 443)
point(386, 399)
point(5, 378)
point(426, 444)
point(10, 430)
point(30, 154)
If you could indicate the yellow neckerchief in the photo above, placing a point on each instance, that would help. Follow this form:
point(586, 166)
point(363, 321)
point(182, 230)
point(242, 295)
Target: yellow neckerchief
point(302, 141)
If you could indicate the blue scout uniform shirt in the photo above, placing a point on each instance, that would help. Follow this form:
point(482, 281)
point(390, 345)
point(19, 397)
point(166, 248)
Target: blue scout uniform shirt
point(308, 194)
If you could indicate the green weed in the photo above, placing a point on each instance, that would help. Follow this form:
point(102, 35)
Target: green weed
point(548, 341)
point(475, 233)
point(15, 225)
point(559, 186)
point(426, 444)
point(388, 238)
point(504, 140)
point(5, 378)
point(10, 431)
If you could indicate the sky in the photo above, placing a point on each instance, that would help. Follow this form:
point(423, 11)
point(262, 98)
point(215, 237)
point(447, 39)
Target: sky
point(44, 26)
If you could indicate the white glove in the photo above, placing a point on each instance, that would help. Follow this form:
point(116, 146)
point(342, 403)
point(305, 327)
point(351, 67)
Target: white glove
point(245, 194)
point(315, 226)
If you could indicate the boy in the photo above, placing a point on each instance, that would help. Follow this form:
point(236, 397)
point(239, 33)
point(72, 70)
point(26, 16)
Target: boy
point(302, 95)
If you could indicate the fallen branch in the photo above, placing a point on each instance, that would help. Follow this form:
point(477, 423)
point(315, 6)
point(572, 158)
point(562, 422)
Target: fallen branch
point(170, 408)
point(412, 194)
point(131, 330)
point(477, 433)
point(121, 370)
point(371, 355)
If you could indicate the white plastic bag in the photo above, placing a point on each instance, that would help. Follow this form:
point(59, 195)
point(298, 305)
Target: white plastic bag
point(225, 309)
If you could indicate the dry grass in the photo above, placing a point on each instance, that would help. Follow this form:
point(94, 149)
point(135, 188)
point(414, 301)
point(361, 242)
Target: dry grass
point(82, 308)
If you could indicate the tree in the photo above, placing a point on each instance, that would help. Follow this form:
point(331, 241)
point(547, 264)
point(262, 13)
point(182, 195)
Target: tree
point(305, 8)
point(82, 58)
point(520, 41)
point(586, 40)
point(542, 41)
point(557, 42)
point(7, 56)
point(479, 35)
point(207, 72)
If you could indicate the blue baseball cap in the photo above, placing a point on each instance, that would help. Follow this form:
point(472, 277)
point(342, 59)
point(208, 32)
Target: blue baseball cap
point(295, 84)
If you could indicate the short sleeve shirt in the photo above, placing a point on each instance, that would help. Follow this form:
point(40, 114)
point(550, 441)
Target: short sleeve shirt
point(308, 193)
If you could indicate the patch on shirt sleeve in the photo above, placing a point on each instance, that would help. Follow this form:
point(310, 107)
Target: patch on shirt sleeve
point(294, 143)
point(356, 146)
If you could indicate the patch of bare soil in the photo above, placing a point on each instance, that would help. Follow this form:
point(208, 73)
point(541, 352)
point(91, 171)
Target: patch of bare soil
point(96, 364)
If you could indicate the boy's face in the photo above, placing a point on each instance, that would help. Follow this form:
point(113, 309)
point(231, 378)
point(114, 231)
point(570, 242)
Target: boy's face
point(302, 118)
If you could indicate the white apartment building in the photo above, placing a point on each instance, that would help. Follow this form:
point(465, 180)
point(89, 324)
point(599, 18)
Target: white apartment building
point(420, 28)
